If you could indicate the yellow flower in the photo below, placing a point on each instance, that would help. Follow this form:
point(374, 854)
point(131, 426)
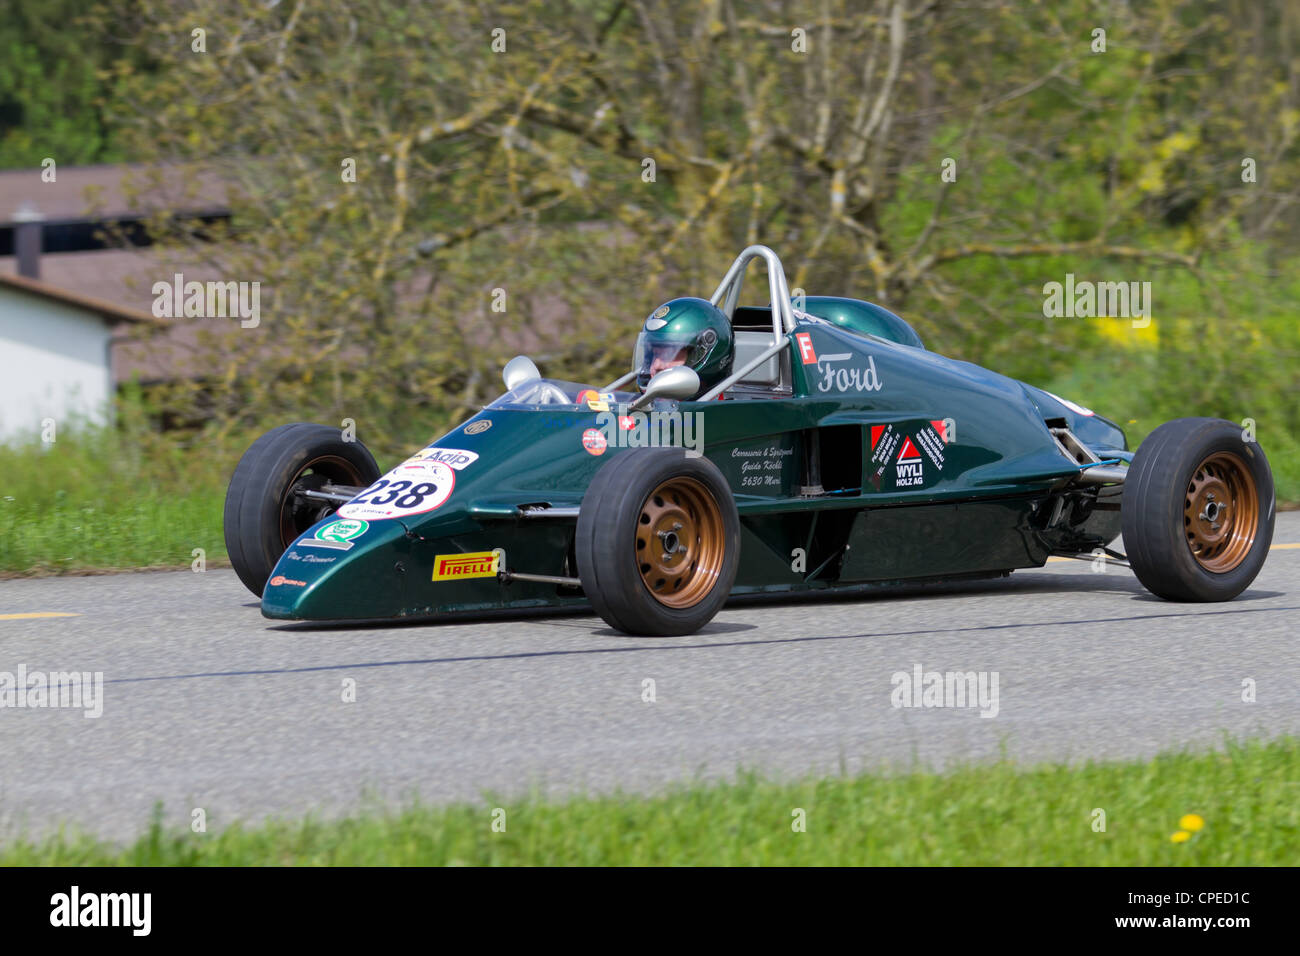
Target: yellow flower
point(1180, 836)
point(1191, 822)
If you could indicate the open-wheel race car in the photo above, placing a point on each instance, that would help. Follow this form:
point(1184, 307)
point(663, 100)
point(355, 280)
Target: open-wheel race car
point(751, 450)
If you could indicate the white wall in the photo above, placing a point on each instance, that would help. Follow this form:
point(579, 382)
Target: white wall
point(53, 364)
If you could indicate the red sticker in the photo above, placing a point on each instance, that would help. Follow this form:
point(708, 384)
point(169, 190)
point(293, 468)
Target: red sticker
point(806, 348)
point(593, 439)
point(626, 422)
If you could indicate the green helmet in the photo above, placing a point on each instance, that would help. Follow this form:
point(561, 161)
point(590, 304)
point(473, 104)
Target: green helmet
point(685, 331)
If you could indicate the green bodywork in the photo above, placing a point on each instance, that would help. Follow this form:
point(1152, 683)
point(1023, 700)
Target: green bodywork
point(865, 318)
point(883, 463)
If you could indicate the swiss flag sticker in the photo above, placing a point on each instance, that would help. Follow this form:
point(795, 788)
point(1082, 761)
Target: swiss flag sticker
point(941, 430)
point(806, 348)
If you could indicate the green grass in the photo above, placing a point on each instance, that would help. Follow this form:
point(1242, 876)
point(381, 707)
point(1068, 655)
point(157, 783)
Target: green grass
point(1140, 385)
point(990, 815)
point(98, 498)
point(71, 533)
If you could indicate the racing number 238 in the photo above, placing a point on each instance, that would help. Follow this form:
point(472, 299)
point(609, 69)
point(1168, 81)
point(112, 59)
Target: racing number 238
point(395, 493)
point(409, 489)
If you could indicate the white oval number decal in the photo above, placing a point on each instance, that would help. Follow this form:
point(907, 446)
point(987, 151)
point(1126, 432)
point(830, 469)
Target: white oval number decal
point(412, 488)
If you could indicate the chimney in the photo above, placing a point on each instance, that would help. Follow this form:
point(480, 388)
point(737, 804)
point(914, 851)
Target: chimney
point(27, 240)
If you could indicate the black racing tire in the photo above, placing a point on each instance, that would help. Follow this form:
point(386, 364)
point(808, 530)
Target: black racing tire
point(684, 508)
point(262, 515)
point(1198, 510)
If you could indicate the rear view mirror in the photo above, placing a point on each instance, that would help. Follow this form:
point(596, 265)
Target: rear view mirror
point(518, 370)
point(680, 383)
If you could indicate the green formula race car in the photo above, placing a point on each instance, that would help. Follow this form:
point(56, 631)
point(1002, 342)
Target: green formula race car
point(750, 451)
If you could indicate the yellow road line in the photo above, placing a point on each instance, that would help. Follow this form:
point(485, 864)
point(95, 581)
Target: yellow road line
point(31, 614)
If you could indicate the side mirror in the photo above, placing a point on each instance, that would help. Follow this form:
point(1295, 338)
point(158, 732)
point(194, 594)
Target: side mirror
point(518, 370)
point(679, 382)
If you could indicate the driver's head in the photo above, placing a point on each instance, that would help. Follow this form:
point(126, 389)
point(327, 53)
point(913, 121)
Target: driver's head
point(686, 331)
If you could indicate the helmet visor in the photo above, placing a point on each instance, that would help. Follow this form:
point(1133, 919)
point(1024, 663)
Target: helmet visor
point(658, 351)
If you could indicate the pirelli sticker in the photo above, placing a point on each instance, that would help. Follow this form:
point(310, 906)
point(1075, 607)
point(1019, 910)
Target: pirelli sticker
point(458, 567)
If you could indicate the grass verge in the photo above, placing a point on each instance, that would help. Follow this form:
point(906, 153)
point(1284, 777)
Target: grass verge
point(98, 499)
point(999, 815)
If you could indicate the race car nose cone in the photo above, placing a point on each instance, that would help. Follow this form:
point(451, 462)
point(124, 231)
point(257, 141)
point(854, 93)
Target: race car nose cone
point(331, 599)
point(324, 579)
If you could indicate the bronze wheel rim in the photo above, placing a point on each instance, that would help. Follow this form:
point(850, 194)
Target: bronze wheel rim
point(680, 542)
point(298, 512)
point(1221, 512)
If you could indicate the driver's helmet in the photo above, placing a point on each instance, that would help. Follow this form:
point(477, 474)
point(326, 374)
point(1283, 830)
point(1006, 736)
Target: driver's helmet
point(686, 331)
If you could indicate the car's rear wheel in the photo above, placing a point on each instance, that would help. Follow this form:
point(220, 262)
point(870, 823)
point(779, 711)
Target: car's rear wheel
point(265, 506)
point(1198, 510)
point(658, 542)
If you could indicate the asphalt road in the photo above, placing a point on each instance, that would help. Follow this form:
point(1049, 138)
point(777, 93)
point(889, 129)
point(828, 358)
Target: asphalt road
point(207, 704)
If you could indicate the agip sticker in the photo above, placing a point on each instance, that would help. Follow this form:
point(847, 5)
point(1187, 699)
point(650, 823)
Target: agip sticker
point(593, 439)
point(457, 458)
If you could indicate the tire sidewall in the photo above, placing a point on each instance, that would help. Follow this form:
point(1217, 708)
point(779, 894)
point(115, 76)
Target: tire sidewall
point(607, 542)
point(1165, 542)
point(259, 484)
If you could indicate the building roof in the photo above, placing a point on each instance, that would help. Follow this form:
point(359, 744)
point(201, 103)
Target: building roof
point(122, 277)
point(104, 192)
point(108, 311)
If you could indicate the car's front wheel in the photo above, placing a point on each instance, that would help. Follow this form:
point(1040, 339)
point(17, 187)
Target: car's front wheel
point(266, 509)
point(658, 542)
point(1198, 510)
